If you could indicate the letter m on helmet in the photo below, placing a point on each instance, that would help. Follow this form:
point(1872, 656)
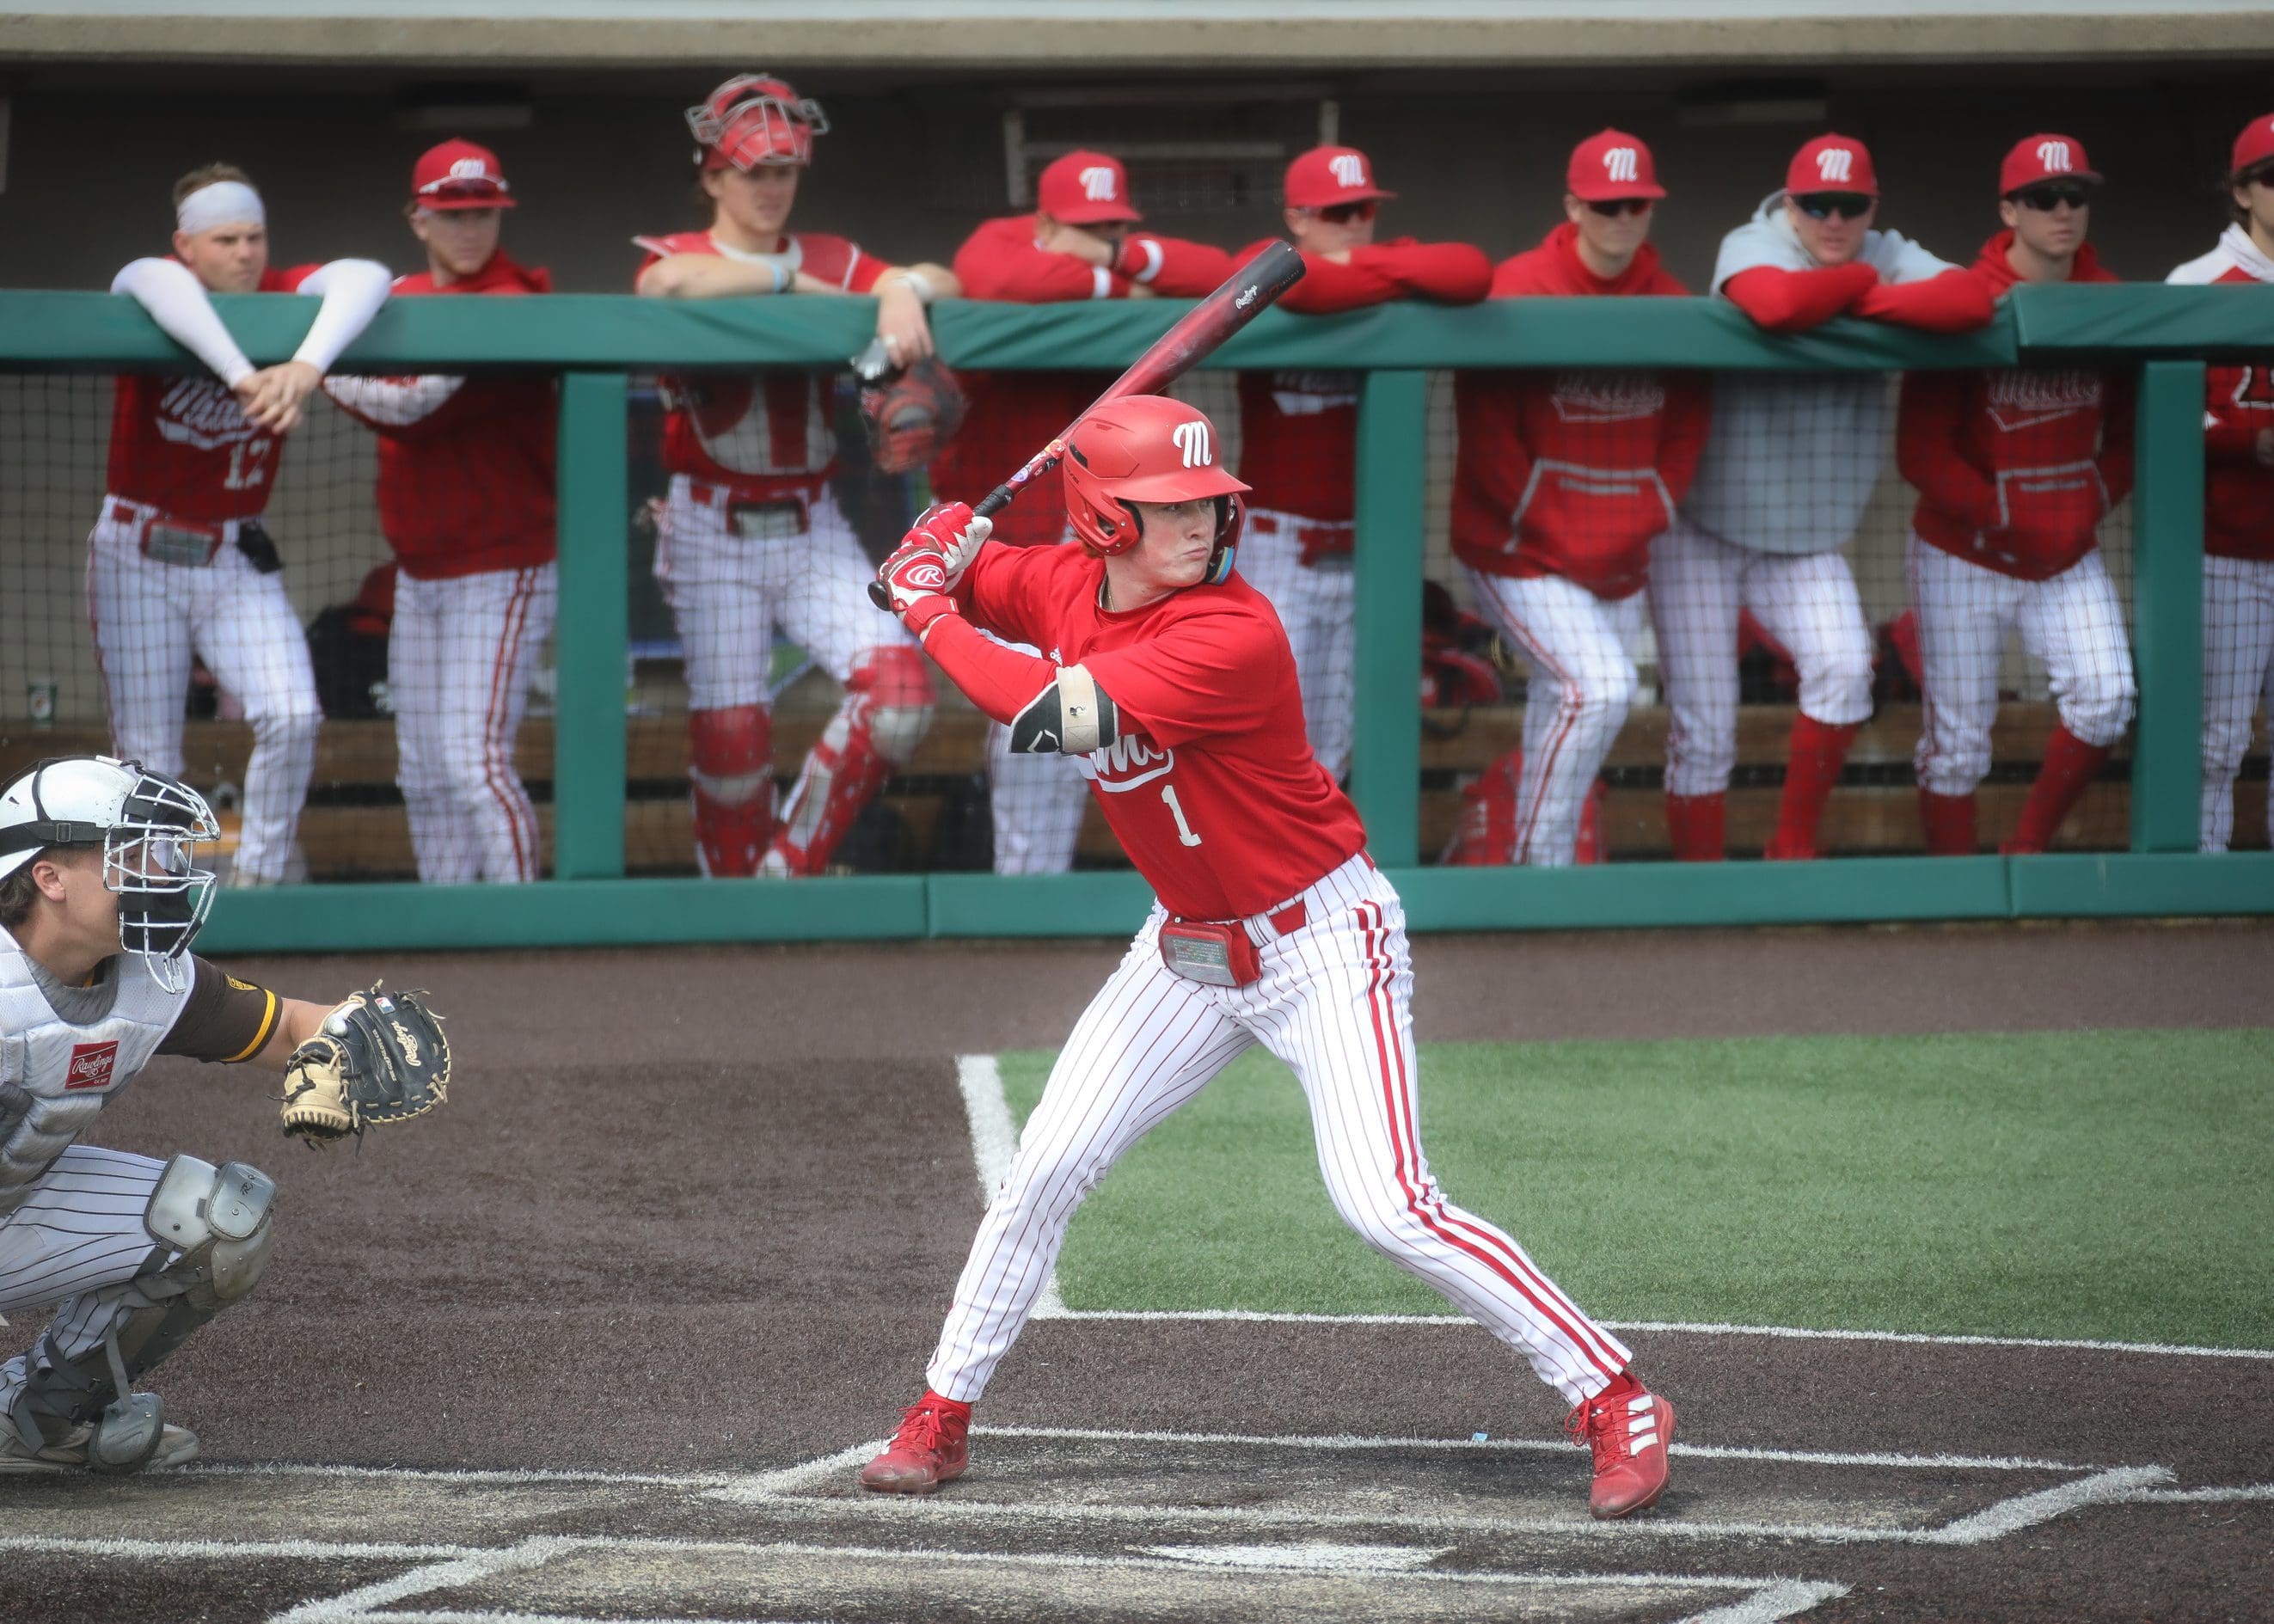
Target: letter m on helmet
point(1192, 439)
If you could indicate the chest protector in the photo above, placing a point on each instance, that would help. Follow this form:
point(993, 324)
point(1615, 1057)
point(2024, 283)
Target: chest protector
point(68, 1073)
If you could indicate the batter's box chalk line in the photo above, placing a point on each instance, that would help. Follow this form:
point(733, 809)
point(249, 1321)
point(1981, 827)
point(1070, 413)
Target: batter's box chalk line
point(994, 1141)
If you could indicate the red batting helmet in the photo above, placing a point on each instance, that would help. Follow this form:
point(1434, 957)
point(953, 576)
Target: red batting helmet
point(752, 119)
point(1146, 449)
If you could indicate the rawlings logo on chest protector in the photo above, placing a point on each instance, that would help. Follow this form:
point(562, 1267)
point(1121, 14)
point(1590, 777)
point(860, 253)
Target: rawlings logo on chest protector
point(91, 1066)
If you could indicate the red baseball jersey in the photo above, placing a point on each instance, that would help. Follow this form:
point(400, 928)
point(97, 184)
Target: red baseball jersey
point(182, 445)
point(765, 434)
point(1299, 430)
point(1013, 415)
point(1211, 786)
point(470, 486)
point(2017, 467)
point(2237, 408)
point(1571, 473)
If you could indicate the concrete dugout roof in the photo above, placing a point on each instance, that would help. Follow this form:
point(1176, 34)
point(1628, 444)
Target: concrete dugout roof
point(966, 34)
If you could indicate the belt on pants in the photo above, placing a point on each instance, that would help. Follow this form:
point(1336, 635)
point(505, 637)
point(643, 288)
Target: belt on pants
point(168, 540)
point(754, 517)
point(1222, 953)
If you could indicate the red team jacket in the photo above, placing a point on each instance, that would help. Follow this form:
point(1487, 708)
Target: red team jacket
point(1212, 744)
point(182, 445)
point(763, 435)
point(2238, 489)
point(1572, 473)
point(1013, 415)
point(1299, 430)
point(470, 486)
point(2014, 469)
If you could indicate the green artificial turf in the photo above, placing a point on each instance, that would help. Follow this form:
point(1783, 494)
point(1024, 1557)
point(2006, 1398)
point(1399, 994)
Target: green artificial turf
point(2100, 1185)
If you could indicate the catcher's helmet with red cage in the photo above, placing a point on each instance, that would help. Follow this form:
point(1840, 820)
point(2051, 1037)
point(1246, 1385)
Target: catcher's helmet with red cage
point(754, 119)
point(1147, 448)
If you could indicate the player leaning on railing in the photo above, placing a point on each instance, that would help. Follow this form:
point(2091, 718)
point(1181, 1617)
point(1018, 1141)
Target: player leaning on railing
point(101, 896)
point(466, 500)
point(1172, 675)
point(750, 536)
point(2238, 497)
point(179, 563)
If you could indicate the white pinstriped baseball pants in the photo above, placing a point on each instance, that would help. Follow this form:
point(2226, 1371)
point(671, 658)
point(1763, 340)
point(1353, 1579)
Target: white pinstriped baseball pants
point(1334, 1002)
point(77, 1241)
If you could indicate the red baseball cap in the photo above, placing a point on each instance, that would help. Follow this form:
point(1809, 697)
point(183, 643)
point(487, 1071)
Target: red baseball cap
point(2255, 145)
point(459, 174)
point(1611, 164)
point(1085, 189)
point(2043, 157)
point(1327, 175)
point(1831, 163)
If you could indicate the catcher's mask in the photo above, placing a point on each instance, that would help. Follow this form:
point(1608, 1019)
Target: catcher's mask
point(148, 826)
point(1147, 448)
point(754, 119)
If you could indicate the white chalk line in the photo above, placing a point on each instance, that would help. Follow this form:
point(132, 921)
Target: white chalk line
point(1781, 1600)
point(994, 1142)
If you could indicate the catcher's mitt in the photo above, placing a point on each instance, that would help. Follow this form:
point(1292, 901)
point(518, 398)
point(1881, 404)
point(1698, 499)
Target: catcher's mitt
point(910, 414)
point(379, 1057)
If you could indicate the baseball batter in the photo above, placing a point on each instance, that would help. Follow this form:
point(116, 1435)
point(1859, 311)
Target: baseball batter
point(1171, 677)
point(1081, 242)
point(751, 536)
point(100, 897)
point(1299, 430)
point(1789, 469)
point(2015, 471)
point(2238, 499)
point(178, 564)
point(465, 499)
point(1561, 481)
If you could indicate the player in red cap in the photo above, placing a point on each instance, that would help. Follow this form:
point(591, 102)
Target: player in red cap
point(1171, 678)
point(1083, 241)
point(2238, 497)
point(750, 536)
point(2015, 471)
point(465, 501)
point(1299, 430)
point(179, 563)
point(1563, 480)
point(1788, 470)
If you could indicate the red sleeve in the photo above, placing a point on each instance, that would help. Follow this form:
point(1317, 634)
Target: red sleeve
point(1000, 680)
point(287, 281)
point(1446, 272)
point(1007, 590)
point(1794, 301)
point(1681, 439)
point(1171, 266)
point(1492, 465)
point(2229, 436)
point(995, 265)
point(1927, 448)
point(861, 272)
point(1956, 301)
point(1206, 674)
point(2116, 426)
point(1327, 286)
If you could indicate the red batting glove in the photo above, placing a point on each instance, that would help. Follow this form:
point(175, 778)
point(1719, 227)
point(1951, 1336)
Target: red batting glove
point(956, 531)
point(915, 579)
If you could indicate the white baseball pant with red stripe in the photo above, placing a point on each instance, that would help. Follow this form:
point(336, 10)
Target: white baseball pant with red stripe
point(2238, 673)
point(459, 660)
point(1334, 1002)
point(1583, 680)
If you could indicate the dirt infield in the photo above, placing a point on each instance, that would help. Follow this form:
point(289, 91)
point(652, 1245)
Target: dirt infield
point(680, 1247)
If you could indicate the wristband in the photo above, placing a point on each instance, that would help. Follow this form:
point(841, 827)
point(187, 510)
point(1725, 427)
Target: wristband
point(919, 284)
point(781, 276)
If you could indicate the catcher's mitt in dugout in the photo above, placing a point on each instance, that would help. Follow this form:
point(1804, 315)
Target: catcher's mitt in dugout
point(910, 412)
point(379, 1057)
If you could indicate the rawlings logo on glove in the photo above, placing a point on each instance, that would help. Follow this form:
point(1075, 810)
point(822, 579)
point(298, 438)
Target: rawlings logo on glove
point(929, 561)
point(379, 1057)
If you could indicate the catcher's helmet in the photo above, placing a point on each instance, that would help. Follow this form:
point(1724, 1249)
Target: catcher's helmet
point(148, 826)
point(754, 119)
point(1146, 449)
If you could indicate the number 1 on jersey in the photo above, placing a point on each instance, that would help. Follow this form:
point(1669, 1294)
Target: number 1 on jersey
point(1184, 829)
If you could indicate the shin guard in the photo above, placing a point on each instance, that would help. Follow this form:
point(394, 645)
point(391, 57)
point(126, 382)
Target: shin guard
point(887, 707)
point(733, 783)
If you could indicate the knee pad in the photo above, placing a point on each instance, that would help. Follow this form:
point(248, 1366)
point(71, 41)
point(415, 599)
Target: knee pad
point(894, 688)
point(732, 750)
point(216, 1220)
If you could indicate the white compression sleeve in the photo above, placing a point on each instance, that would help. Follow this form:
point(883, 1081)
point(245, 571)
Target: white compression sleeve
point(352, 291)
point(392, 402)
point(177, 302)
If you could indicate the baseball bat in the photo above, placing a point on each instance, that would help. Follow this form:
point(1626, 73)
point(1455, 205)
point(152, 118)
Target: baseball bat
point(1198, 333)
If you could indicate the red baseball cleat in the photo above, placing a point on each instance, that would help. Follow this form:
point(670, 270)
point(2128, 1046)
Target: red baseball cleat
point(1629, 1428)
point(929, 1450)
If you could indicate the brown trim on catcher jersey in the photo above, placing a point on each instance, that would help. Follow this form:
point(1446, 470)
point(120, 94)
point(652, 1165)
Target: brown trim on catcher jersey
point(226, 1019)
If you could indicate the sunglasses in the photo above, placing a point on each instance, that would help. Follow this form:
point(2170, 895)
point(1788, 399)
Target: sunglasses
point(2044, 199)
point(1611, 208)
point(1835, 205)
point(1343, 214)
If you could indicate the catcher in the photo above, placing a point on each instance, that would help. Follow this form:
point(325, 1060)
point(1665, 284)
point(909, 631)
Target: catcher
point(100, 899)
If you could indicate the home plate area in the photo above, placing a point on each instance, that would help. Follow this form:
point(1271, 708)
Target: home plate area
point(1065, 1524)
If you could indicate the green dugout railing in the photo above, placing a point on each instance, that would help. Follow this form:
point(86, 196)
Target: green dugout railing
point(595, 341)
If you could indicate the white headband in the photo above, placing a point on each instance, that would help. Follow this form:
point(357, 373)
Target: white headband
point(223, 203)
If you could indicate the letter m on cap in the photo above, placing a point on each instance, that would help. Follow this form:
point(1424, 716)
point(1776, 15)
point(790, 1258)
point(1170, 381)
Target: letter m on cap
point(1619, 163)
point(2054, 156)
point(1833, 165)
point(1349, 170)
point(1097, 183)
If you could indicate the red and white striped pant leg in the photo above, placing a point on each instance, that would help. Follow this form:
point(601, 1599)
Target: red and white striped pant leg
point(418, 684)
point(250, 634)
point(1336, 1004)
point(1965, 613)
point(1696, 590)
point(1808, 602)
point(2074, 625)
point(2237, 662)
point(78, 1240)
point(1148, 1041)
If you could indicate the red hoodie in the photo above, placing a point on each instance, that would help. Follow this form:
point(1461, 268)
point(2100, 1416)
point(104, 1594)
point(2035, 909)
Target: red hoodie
point(1299, 430)
point(2017, 467)
point(1572, 473)
point(1013, 415)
